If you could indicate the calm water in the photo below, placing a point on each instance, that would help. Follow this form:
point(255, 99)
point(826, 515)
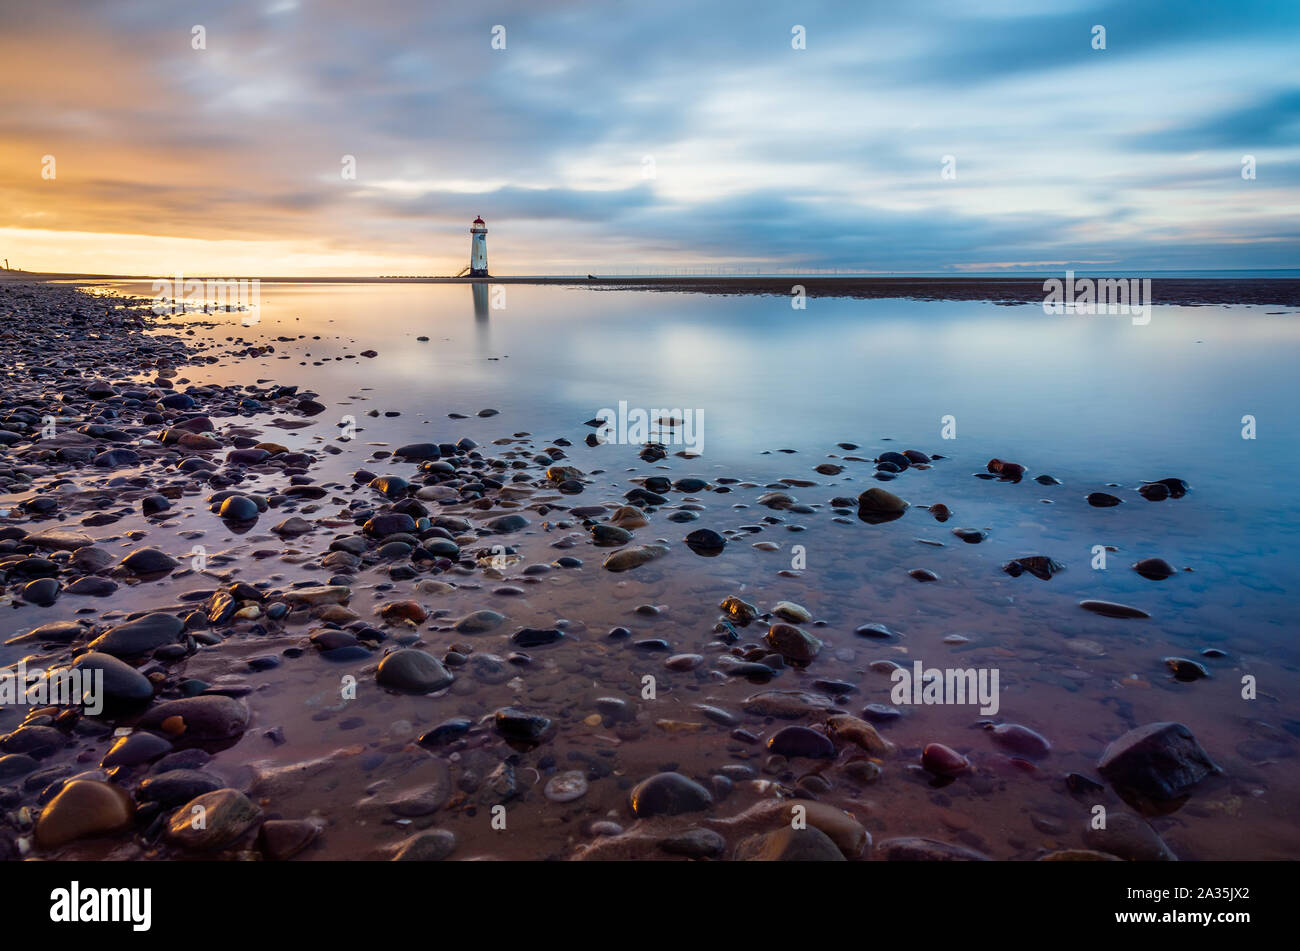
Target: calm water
point(1091, 400)
point(1097, 402)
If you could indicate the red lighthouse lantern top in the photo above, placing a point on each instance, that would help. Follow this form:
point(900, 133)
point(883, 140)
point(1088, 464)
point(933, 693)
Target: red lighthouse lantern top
point(479, 225)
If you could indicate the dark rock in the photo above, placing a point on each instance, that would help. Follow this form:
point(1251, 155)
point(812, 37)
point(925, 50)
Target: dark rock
point(917, 849)
point(788, 844)
point(204, 718)
point(668, 794)
point(122, 683)
point(412, 671)
point(794, 741)
point(141, 636)
point(149, 561)
point(1154, 767)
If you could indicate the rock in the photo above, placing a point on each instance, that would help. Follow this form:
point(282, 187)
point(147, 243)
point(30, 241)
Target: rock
point(880, 502)
point(137, 748)
point(393, 487)
point(293, 526)
point(82, 808)
point(479, 622)
point(1156, 569)
point(881, 712)
point(93, 587)
point(412, 671)
point(1020, 740)
point(175, 786)
point(694, 843)
point(1186, 670)
point(627, 558)
point(668, 794)
point(1154, 491)
point(1078, 855)
point(516, 724)
point(154, 505)
point(794, 741)
point(740, 611)
point(943, 761)
point(238, 508)
point(91, 559)
point(445, 732)
point(42, 592)
point(844, 729)
point(566, 787)
point(141, 636)
point(794, 644)
point(57, 632)
point(431, 845)
point(411, 611)
point(504, 524)
point(1040, 566)
point(1154, 767)
point(842, 827)
point(318, 595)
point(13, 765)
point(212, 820)
point(794, 613)
point(535, 637)
point(389, 523)
point(1111, 609)
point(787, 844)
point(427, 798)
point(34, 739)
point(282, 839)
point(59, 539)
point(415, 452)
point(862, 770)
point(605, 534)
point(209, 717)
point(1011, 471)
point(148, 561)
point(876, 631)
point(1128, 837)
point(1103, 500)
point(1176, 488)
point(917, 849)
point(705, 540)
point(786, 704)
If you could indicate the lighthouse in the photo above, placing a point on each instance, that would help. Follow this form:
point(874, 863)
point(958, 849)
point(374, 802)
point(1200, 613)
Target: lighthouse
point(478, 249)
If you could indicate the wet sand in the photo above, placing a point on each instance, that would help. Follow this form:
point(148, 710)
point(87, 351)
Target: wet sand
point(306, 748)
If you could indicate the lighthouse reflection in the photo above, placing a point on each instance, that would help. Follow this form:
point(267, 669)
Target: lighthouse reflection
point(482, 326)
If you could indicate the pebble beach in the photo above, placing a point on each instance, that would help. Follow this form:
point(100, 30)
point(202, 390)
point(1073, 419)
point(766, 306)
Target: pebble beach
point(503, 642)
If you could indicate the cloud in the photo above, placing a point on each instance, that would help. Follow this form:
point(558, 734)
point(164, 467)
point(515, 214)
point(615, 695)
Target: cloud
point(666, 133)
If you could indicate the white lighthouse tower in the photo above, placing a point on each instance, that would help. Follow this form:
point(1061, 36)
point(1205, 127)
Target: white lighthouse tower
point(478, 249)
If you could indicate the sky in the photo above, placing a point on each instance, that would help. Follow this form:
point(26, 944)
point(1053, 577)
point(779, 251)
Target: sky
point(155, 137)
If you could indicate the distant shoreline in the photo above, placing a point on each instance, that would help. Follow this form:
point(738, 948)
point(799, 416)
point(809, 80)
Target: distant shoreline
point(1020, 289)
